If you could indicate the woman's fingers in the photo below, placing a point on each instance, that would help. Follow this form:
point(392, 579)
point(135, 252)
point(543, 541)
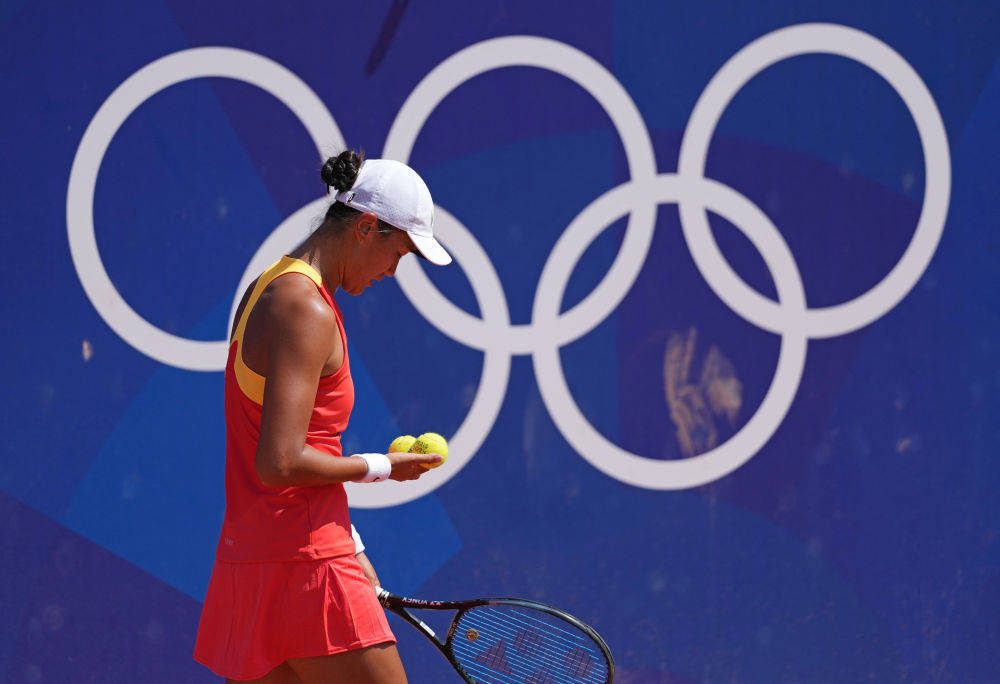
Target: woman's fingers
point(429, 459)
point(400, 458)
point(410, 466)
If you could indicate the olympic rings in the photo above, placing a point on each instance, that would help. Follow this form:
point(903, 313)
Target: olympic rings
point(550, 329)
point(139, 87)
point(781, 44)
point(588, 442)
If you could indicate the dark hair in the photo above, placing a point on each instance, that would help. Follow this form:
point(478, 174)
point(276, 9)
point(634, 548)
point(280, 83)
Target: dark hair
point(340, 172)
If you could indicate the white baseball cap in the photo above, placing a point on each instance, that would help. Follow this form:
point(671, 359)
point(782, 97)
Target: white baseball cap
point(397, 195)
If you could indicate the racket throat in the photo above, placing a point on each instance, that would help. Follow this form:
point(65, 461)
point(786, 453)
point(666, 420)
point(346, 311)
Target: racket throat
point(424, 626)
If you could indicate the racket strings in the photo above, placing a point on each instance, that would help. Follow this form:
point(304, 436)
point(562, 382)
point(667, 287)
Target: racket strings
point(501, 644)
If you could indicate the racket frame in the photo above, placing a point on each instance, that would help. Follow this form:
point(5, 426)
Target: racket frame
point(400, 604)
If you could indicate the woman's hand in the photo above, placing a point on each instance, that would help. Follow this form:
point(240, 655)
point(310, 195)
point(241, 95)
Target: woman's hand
point(406, 466)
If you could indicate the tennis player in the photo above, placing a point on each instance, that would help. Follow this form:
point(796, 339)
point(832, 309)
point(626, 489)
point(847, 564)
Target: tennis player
point(290, 598)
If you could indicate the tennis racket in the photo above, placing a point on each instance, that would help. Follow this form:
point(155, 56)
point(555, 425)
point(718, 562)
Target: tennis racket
point(506, 640)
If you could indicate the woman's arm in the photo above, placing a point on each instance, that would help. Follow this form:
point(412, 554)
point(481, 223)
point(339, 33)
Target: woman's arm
point(366, 567)
point(359, 554)
point(302, 334)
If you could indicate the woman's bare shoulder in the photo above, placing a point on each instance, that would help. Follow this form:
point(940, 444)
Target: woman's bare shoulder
point(294, 303)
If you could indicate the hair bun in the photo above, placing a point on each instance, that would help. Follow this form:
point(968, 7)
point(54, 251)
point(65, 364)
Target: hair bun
point(341, 171)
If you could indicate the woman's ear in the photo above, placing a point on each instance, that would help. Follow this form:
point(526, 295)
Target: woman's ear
point(365, 225)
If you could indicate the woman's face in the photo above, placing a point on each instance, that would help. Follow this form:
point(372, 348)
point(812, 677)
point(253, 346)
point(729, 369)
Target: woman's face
point(376, 256)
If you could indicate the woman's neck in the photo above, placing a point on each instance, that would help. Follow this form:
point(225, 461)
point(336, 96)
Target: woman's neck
point(323, 254)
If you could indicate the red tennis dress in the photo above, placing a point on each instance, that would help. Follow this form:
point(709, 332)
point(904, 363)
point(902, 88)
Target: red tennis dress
point(285, 583)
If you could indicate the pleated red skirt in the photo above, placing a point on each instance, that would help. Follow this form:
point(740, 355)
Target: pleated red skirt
point(257, 615)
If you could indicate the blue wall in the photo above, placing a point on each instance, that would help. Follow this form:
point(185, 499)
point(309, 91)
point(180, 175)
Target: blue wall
point(854, 535)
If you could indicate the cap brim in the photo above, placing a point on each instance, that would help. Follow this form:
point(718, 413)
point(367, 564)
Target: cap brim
point(431, 249)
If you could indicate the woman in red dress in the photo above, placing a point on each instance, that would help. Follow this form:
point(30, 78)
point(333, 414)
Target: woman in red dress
point(290, 598)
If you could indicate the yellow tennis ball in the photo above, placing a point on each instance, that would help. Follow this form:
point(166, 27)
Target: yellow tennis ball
point(402, 443)
point(431, 443)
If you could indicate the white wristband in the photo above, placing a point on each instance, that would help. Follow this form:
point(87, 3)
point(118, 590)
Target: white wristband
point(379, 467)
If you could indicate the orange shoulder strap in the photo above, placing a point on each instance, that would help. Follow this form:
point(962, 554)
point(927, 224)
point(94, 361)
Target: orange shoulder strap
point(250, 382)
